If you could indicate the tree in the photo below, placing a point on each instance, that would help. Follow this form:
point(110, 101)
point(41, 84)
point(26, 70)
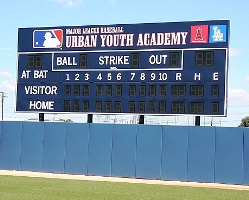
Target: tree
point(244, 122)
point(65, 120)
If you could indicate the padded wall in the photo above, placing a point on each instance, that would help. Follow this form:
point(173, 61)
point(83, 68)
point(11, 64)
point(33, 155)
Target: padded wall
point(10, 145)
point(32, 146)
point(149, 151)
point(174, 153)
point(201, 152)
point(100, 149)
point(124, 150)
point(229, 155)
point(54, 147)
point(76, 148)
point(246, 157)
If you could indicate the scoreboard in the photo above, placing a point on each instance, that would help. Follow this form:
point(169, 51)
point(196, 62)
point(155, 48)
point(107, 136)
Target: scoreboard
point(174, 68)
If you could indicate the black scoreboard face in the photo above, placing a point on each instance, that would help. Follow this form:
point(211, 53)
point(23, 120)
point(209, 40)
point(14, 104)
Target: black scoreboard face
point(177, 68)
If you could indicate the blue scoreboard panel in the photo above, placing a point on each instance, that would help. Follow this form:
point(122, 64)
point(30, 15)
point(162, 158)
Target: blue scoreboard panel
point(176, 68)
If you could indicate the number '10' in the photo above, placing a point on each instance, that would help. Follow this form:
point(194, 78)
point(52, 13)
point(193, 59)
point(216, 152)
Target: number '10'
point(162, 76)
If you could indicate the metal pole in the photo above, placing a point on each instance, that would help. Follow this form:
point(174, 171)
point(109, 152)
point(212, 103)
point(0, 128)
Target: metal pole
point(141, 119)
point(2, 106)
point(89, 118)
point(41, 117)
point(197, 120)
point(2, 98)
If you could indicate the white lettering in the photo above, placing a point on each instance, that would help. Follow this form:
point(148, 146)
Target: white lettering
point(40, 73)
point(160, 38)
point(153, 39)
point(167, 39)
point(140, 40)
point(48, 90)
point(101, 61)
point(117, 29)
point(69, 61)
point(126, 60)
point(25, 73)
point(198, 75)
point(215, 76)
point(178, 76)
point(102, 40)
point(117, 40)
point(41, 105)
point(114, 60)
point(73, 31)
point(59, 60)
point(81, 41)
point(184, 35)
point(66, 61)
point(90, 30)
point(175, 38)
point(157, 59)
point(146, 39)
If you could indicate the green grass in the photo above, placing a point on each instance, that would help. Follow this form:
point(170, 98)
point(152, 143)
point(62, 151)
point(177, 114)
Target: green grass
point(43, 188)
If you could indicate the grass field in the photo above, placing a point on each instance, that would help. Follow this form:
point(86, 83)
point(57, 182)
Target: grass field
point(12, 187)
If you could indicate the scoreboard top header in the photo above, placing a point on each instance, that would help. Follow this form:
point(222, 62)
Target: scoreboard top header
point(172, 35)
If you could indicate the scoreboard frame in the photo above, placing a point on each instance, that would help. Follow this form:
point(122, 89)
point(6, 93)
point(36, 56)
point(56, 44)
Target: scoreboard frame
point(170, 68)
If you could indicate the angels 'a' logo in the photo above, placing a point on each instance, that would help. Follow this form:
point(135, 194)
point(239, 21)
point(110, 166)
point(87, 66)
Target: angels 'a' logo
point(199, 34)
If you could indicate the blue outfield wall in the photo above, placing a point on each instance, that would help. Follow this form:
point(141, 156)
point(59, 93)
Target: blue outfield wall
point(201, 152)
point(76, 148)
point(246, 157)
point(174, 153)
point(183, 153)
point(124, 151)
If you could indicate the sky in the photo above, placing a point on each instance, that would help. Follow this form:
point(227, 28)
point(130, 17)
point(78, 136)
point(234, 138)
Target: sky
point(16, 14)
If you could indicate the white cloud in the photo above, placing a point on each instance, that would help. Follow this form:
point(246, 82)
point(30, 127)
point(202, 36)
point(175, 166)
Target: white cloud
point(238, 95)
point(235, 51)
point(8, 86)
point(5, 74)
point(69, 3)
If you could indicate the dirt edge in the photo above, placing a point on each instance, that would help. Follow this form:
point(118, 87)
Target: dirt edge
point(127, 180)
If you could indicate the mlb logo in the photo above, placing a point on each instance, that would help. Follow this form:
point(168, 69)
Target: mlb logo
point(47, 38)
point(218, 33)
point(199, 34)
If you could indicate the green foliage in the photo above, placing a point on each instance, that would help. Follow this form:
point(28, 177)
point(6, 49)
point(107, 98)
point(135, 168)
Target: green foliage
point(244, 122)
point(65, 120)
point(41, 188)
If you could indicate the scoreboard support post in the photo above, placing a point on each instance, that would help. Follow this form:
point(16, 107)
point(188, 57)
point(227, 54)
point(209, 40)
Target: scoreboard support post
point(197, 120)
point(89, 118)
point(141, 119)
point(41, 117)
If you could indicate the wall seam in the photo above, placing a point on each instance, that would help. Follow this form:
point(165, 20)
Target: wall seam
point(136, 153)
point(215, 152)
point(111, 150)
point(65, 144)
point(20, 152)
point(187, 153)
point(87, 162)
point(243, 154)
point(161, 152)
